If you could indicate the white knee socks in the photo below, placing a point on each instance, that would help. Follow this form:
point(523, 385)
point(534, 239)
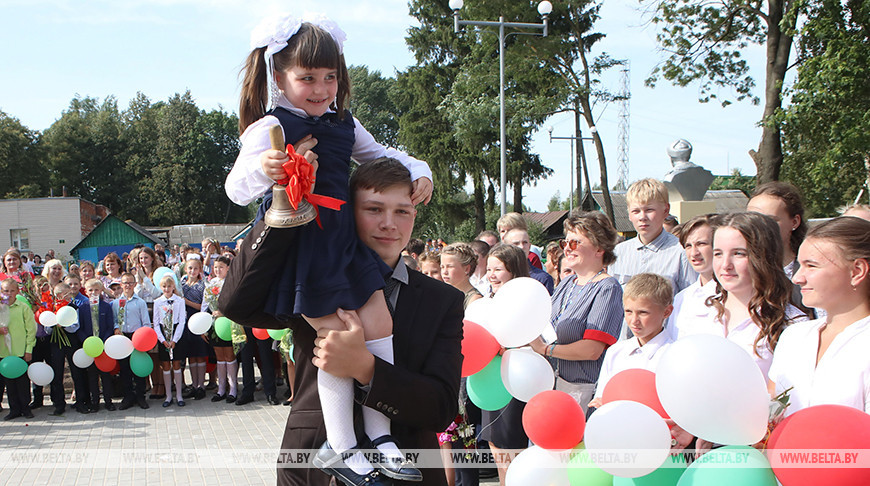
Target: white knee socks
point(376, 423)
point(336, 402)
point(222, 377)
point(178, 385)
point(167, 383)
point(233, 377)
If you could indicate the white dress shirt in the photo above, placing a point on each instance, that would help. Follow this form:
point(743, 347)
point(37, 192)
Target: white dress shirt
point(481, 284)
point(689, 305)
point(841, 377)
point(743, 334)
point(247, 181)
point(629, 353)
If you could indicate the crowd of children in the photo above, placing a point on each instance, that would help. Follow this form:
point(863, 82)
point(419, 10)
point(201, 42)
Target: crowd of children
point(118, 297)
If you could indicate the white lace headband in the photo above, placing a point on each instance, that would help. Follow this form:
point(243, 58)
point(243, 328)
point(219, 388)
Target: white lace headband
point(274, 31)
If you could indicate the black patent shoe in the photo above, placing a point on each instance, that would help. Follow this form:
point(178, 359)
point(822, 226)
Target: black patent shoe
point(396, 467)
point(331, 462)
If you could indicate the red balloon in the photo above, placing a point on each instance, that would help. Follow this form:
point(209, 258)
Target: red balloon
point(261, 334)
point(105, 363)
point(210, 367)
point(144, 339)
point(554, 421)
point(835, 432)
point(478, 348)
point(636, 385)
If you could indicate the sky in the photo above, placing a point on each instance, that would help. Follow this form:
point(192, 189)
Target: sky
point(54, 50)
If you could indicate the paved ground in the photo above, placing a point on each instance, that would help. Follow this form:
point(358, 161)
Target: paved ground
point(203, 443)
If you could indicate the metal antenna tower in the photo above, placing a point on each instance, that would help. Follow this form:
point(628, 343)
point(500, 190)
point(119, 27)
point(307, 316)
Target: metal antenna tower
point(624, 110)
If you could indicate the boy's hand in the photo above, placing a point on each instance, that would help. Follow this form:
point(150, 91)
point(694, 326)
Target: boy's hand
point(422, 191)
point(118, 332)
point(595, 403)
point(28, 357)
point(4, 331)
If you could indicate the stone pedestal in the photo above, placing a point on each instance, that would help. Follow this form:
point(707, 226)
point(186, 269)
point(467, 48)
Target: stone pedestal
point(686, 210)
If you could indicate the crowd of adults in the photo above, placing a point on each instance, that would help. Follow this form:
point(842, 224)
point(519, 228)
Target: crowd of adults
point(117, 295)
point(797, 300)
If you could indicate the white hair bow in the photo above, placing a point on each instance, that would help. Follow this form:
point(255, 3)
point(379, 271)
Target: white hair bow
point(273, 32)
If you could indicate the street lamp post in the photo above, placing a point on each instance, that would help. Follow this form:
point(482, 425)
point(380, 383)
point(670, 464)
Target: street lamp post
point(544, 8)
point(579, 150)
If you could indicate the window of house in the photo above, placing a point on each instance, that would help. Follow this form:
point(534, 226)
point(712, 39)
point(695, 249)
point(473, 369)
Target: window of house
point(20, 239)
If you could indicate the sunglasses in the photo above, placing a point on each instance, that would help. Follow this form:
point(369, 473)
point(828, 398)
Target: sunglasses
point(572, 244)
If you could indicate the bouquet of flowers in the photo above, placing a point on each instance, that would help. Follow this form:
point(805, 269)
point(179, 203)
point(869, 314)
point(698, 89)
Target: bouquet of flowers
point(4, 320)
point(212, 292)
point(168, 325)
point(776, 413)
point(50, 303)
point(29, 290)
point(459, 429)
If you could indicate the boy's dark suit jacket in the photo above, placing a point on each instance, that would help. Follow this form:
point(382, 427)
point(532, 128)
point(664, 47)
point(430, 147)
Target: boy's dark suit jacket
point(419, 394)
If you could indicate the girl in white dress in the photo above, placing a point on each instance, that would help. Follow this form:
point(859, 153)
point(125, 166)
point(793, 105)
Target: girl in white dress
point(825, 361)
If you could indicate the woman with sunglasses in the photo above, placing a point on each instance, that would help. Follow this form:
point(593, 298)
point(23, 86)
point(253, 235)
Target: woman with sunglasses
point(587, 306)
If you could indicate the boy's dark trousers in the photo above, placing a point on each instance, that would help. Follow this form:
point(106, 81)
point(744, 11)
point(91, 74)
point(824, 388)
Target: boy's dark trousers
point(94, 376)
point(42, 353)
point(132, 386)
point(267, 365)
point(59, 354)
point(18, 394)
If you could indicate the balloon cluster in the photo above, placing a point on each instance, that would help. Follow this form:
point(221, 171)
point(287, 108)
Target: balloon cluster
point(704, 384)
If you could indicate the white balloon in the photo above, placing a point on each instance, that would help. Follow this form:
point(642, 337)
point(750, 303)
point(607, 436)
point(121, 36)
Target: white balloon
point(481, 312)
point(537, 466)
point(199, 323)
point(627, 439)
point(40, 373)
point(81, 359)
point(714, 390)
point(118, 346)
point(523, 312)
point(67, 316)
point(48, 319)
point(526, 373)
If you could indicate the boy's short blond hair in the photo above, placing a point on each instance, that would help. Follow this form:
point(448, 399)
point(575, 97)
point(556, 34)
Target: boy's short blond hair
point(94, 283)
point(6, 282)
point(649, 286)
point(511, 221)
point(72, 276)
point(646, 191)
point(61, 288)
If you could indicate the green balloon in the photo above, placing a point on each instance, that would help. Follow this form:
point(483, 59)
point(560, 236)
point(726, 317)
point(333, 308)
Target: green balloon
point(729, 465)
point(141, 363)
point(583, 472)
point(667, 475)
point(276, 334)
point(486, 389)
point(93, 346)
point(13, 367)
point(223, 328)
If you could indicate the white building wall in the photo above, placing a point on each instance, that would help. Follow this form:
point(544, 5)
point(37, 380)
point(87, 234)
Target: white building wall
point(52, 223)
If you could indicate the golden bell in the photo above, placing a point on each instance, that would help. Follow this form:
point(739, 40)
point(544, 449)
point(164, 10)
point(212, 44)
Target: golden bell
point(282, 215)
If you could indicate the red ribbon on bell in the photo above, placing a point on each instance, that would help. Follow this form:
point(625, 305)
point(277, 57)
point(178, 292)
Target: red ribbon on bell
point(300, 182)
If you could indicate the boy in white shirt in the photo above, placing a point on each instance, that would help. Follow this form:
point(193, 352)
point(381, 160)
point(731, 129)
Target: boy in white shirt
point(647, 302)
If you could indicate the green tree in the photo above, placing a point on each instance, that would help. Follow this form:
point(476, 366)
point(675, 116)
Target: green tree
point(569, 47)
point(85, 150)
point(704, 42)
point(734, 181)
point(21, 160)
point(373, 104)
point(827, 126)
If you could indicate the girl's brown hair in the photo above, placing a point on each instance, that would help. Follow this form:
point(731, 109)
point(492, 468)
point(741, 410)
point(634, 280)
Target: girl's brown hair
point(772, 288)
point(514, 259)
point(155, 263)
point(794, 204)
point(310, 47)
